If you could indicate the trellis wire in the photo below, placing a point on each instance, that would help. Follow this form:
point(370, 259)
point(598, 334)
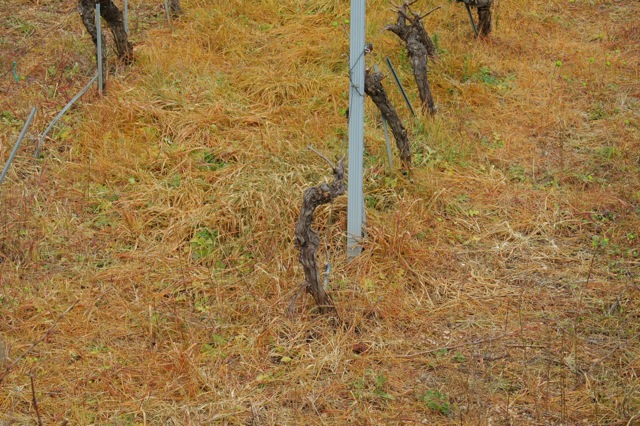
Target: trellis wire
point(61, 113)
point(397, 80)
point(17, 145)
point(99, 47)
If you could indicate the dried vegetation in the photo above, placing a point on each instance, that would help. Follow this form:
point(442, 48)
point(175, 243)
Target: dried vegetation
point(499, 285)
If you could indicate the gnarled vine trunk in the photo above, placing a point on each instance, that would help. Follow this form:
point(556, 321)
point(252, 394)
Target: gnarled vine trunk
point(484, 17)
point(420, 48)
point(307, 240)
point(373, 87)
point(174, 8)
point(113, 16)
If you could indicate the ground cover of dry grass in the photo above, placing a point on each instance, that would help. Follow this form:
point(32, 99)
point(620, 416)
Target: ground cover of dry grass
point(499, 281)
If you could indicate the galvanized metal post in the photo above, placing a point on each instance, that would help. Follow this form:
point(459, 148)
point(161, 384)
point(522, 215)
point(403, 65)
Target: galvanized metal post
point(17, 145)
point(99, 47)
point(355, 207)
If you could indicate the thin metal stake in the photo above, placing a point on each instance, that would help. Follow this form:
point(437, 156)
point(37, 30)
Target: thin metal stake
point(99, 47)
point(397, 79)
point(125, 16)
point(473, 23)
point(15, 72)
point(61, 113)
point(17, 145)
point(386, 132)
point(166, 9)
point(385, 128)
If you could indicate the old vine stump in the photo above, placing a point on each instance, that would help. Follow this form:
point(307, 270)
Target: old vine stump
point(307, 240)
point(484, 17)
point(420, 47)
point(373, 87)
point(175, 8)
point(114, 18)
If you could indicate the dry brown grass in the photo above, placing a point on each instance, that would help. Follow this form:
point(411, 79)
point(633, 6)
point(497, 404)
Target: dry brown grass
point(499, 285)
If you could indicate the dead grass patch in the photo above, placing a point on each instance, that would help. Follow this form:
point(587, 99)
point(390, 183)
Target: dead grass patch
point(499, 285)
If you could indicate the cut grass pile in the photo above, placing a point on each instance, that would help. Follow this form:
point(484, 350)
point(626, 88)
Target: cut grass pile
point(499, 282)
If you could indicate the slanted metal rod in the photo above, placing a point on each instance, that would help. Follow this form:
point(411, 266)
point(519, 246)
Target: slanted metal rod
point(397, 80)
point(17, 145)
point(61, 113)
point(473, 23)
